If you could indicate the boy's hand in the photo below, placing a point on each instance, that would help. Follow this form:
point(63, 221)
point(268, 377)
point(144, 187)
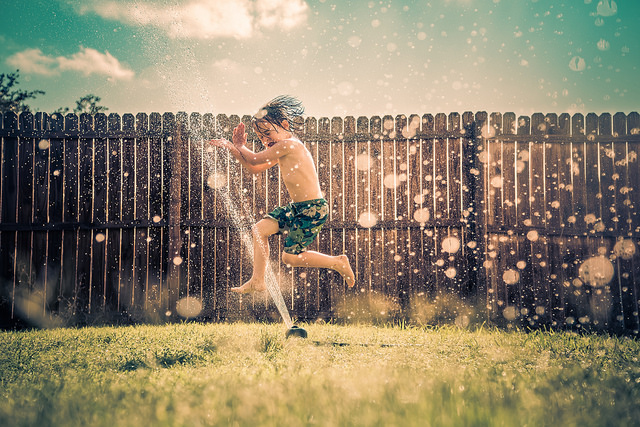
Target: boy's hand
point(239, 136)
point(222, 143)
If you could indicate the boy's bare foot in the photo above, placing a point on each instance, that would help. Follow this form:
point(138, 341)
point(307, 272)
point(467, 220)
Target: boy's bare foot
point(251, 286)
point(344, 268)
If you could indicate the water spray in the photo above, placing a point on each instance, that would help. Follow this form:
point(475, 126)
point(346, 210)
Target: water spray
point(270, 279)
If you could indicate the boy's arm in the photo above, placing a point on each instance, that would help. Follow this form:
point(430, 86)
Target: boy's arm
point(242, 157)
point(253, 162)
point(243, 154)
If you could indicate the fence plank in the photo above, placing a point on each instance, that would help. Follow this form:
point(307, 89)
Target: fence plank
point(324, 238)
point(623, 256)
point(362, 199)
point(142, 235)
point(415, 204)
point(510, 167)
point(336, 211)
point(55, 214)
point(113, 285)
point(222, 234)
point(21, 245)
point(403, 194)
point(100, 170)
point(376, 192)
point(69, 170)
point(83, 279)
point(128, 235)
point(9, 175)
point(157, 231)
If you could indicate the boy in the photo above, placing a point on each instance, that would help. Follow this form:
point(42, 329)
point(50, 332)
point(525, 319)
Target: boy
point(300, 220)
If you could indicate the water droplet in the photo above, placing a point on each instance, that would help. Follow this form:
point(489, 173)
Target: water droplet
point(462, 321)
point(363, 162)
point(100, 237)
point(391, 181)
point(511, 277)
point(533, 235)
point(217, 180)
point(450, 272)
point(577, 64)
point(496, 181)
point(43, 144)
point(521, 265)
point(189, 307)
point(603, 45)
point(510, 313)
point(177, 260)
point(451, 245)
point(368, 219)
point(597, 271)
point(625, 249)
point(607, 8)
point(354, 41)
point(589, 219)
point(157, 218)
point(421, 215)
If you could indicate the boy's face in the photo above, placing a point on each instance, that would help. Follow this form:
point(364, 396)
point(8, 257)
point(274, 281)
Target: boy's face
point(269, 133)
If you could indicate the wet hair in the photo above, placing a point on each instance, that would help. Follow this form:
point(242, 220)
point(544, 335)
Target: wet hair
point(279, 109)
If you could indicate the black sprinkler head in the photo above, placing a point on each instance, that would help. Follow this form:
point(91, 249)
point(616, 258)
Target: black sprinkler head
point(296, 331)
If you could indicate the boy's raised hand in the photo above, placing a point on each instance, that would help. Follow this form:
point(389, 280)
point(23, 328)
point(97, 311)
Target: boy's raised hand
point(239, 136)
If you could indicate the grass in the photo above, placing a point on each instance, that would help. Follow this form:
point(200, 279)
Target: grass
point(249, 375)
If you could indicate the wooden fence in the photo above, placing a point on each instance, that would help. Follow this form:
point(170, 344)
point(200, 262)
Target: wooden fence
point(528, 220)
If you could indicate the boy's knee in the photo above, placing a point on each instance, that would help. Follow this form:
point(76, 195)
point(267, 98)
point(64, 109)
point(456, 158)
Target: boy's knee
point(265, 227)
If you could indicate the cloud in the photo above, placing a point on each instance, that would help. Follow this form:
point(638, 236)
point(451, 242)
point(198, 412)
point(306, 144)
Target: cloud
point(204, 19)
point(87, 61)
point(33, 61)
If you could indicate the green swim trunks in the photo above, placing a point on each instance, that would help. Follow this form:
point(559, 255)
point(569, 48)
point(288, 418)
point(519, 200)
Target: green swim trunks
point(301, 222)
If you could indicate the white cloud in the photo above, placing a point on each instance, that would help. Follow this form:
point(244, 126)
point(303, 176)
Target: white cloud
point(285, 14)
point(33, 61)
point(87, 61)
point(204, 19)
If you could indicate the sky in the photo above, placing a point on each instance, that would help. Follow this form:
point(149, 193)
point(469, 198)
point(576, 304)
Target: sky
point(340, 57)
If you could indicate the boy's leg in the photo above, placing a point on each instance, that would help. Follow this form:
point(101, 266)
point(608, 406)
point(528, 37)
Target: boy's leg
point(261, 232)
point(338, 263)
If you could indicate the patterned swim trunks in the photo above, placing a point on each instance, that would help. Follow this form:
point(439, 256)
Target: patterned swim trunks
point(301, 222)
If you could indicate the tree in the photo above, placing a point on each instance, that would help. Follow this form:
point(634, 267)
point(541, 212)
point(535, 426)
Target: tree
point(86, 104)
point(12, 98)
point(89, 104)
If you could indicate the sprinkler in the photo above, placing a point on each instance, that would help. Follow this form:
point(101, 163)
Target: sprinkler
point(296, 331)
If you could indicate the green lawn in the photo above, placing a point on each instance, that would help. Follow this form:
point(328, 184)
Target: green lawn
point(249, 374)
